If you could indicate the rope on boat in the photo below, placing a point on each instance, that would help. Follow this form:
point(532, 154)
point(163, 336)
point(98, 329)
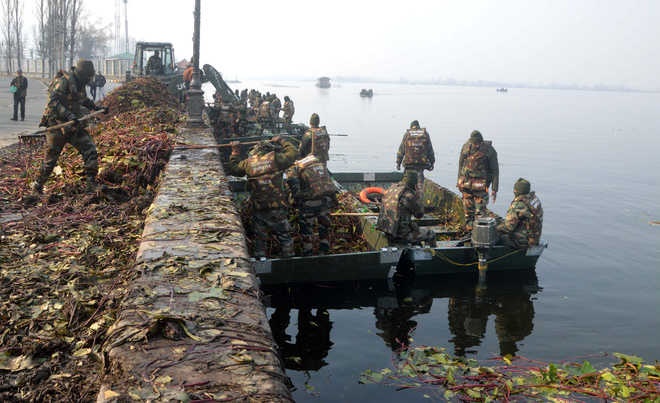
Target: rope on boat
point(448, 260)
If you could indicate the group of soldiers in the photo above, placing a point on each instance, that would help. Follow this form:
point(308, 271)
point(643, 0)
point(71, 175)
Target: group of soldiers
point(270, 165)
point(478, 171)
point(251, 113)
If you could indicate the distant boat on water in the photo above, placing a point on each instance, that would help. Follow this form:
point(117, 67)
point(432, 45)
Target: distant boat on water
point(501, 90)
point(367, 93)
point(323, 82)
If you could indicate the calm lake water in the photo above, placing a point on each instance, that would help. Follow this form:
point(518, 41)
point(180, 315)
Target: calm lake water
point(594, 160)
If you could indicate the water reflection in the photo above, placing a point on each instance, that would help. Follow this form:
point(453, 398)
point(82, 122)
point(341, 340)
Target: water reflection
point(513, 310)
point(397, 307)
point(312, 342)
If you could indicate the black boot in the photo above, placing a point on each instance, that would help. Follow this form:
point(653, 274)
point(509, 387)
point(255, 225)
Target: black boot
point(91, 185)
point(37, 187)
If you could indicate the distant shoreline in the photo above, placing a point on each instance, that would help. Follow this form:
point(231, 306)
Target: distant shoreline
point(456, 83)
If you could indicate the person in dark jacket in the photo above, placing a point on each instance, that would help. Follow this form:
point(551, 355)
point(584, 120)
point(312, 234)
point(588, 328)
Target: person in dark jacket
point(19, 86)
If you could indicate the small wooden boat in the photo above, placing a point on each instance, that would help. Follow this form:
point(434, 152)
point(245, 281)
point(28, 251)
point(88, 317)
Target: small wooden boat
point(323, 82)
point(367, 93)
point(455, 253)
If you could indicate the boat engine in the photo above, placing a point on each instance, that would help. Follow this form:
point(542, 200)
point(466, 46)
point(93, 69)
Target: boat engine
point(484, 236)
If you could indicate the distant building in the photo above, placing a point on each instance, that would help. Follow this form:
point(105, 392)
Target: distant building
point(116, 66)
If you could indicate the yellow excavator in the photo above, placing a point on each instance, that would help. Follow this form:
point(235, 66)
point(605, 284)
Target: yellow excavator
point(157, 59)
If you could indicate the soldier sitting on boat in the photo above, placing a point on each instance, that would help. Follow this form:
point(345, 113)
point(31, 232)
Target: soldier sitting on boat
point(400, 203)
point(269, 199)
point(524, 220)
point(314, 194)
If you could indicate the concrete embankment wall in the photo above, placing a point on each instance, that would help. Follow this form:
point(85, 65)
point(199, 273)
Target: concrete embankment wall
point(193, 326)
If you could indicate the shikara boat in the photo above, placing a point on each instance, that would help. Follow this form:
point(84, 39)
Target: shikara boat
point(455, 253)
point(368, 93)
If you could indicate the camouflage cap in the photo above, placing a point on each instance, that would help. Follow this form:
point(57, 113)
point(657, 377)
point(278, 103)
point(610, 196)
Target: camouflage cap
point(85, 69)
point(414, 124)
point(314, 120)
point(263, 147)
point(476, 136)
point(521, 187)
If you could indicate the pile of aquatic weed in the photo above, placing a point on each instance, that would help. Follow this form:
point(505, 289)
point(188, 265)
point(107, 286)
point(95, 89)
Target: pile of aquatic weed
point(345, 233)
point(440, 376)
point(66, 257)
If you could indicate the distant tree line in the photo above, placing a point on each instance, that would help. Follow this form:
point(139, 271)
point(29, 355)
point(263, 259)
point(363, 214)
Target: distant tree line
point(61, 36)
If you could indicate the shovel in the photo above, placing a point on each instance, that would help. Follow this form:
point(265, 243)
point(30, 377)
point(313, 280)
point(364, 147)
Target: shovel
point(42, 133)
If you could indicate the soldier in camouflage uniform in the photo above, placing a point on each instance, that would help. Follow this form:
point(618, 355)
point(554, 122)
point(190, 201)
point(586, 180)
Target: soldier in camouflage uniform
point(400, 203)
point(288, 110)
point(275, 107)
point(269, 197)
point(477, 171)
point(416, 153)
point(67, 100)
point(315, 140)
point(524, 220)
point(314, 194)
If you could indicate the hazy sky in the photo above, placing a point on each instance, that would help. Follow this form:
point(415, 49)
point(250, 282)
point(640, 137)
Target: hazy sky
point(582, 42)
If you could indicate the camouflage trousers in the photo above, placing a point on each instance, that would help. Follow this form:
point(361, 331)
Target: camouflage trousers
point(474, 203)
point(514, 239)
point(414, 236)
point(274, 221)
point(419, 187)
point(81, 141)
point(312, 213)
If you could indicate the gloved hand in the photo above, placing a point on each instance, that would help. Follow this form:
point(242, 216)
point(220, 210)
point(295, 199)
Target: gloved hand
point(75, 121)
point(398, 167)
point(430, 167)
point(235, 147)
point(106, 110)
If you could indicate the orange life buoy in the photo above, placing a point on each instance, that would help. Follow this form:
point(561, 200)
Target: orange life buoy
point(364, 194)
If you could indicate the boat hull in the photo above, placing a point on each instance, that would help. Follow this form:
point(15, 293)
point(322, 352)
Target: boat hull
point(445, 259)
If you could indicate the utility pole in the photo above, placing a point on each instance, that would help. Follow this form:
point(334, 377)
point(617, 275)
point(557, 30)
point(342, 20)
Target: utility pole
point(195, 93)
point(126, 50)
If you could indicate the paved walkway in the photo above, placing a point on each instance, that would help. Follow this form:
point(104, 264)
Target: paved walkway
point(34, 108)
point(35, 102)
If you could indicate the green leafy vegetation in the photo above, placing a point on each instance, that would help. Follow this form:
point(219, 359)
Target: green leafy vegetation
point(437, 373)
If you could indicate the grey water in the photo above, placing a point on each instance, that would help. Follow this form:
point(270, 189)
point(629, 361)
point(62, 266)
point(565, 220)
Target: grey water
point(593, 159)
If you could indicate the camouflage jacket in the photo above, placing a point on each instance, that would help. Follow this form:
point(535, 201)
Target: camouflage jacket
point(524, 220)
point(309, 179)
point(400, 203)
point(416, 149)
point(316, 141)
point(478, 167)
point(288, 109)
point(67, 96)
point(264, 172)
